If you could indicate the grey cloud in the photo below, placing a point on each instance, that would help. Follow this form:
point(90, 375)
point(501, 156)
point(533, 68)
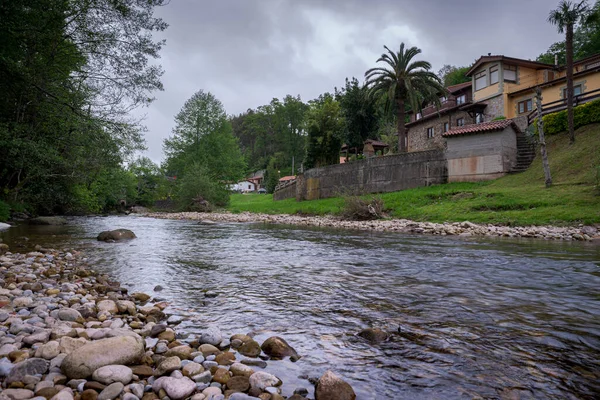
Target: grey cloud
point(247, 52)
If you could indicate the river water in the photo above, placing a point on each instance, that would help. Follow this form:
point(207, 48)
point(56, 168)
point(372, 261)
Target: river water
point(471, 318)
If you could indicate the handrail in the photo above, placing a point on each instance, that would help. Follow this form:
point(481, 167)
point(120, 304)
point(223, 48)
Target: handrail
point(559, 105)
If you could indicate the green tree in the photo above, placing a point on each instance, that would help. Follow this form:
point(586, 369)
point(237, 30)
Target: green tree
point(325, 132)
point(151, 182)
point(452, 75)
point(565, 17)
point(404, 82)
point(359, 111)
point(203, 135)
point(199, 191)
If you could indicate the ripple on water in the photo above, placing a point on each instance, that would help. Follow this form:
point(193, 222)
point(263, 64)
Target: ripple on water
point(478, 318)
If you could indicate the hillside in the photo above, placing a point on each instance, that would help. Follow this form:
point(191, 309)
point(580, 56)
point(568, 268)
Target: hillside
point(518, 199)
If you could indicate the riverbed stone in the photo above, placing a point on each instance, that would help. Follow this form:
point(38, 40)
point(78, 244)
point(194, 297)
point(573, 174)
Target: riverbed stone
point(17, 394)
point(250, 348)
point(111, 392)
point(238, 369)
point(85, 360)
point(374, 335)
point(31, 366)
point(260, 380)
point(238, 383)
point(108, 306)
point(183, 352)
point(68, 314)
point(169, 364)
point(113, 373)
point(208, 350)
point(332, 387)
point(277, 347)
point(116, 235)
point(212, 335)
point(178, 389)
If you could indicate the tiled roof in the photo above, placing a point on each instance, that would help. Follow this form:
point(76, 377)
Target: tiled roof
point(287, 178)
point(510, 60)
point(460, 86)
point(377, 143)
point(483, 127)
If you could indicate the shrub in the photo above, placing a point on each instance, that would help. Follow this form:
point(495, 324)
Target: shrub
point(584, 114)
point(358, 209)
point(499, 118)
point(199, 191)
point(4, 211)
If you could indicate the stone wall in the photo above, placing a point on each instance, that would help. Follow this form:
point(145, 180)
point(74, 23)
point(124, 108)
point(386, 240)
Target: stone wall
point(286, 191)
point(417, 133)
point(373, 175)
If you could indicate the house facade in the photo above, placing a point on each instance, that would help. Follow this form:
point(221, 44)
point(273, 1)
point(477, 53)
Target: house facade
point(502, 86)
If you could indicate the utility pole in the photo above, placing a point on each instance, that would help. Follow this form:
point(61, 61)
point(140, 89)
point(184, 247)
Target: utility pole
point(540, 126)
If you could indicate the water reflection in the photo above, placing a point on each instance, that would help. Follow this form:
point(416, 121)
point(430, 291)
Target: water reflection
point(478, 318)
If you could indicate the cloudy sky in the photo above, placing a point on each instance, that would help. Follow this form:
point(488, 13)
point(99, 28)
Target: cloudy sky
point(246, 52)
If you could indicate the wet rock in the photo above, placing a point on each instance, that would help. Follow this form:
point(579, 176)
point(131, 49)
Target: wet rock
point(48, 221)
point(261, 380)
point(238, 383)
point(63, 395)
point(192, 369)
point(116, 235)
point(250, 348)
point(183, 352)
point(89, 394)
point(208, 350)
point(108, 306)
point(113, 373)
point(141, 297)
point(331, 387)
point(212, 336)
point(168, 365)
point(278, 348)
point(374, 335)
point(176, 389)
point(85, 360)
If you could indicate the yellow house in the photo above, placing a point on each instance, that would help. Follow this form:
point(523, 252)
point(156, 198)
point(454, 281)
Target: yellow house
point(505, 86)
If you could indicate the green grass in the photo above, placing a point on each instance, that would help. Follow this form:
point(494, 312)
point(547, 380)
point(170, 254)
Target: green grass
point(519, 199)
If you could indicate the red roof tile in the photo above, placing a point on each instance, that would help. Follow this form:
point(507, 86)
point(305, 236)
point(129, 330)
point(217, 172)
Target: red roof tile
point(287, 178)
point(457, 87)
point(483, 127)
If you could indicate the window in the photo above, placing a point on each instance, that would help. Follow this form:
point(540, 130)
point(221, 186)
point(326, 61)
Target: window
point(510, 73)
point(460, 122)
point(576, 91)
point(480, 80)
point(462, 99)
point(525, 106)
point(446, 127)
point(430, 132)
point(494, 75)
point(479, 118)
point(418, 116)
point(443, 99)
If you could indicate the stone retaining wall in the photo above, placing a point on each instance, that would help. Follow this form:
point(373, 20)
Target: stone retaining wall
point(287, 191)
point(373, 175)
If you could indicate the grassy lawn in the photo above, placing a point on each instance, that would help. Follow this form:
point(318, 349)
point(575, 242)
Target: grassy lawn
point(519, 199)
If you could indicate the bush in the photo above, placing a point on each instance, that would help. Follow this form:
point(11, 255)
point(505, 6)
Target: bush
point(198, 191)
point(499, 118)
point(584, 114)
point(4, 211)
point(358, 209)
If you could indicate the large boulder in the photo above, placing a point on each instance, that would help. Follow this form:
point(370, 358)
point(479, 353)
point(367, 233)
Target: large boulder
point(332, 387)
point(48, 221)
point(374, 335)
point(116, 235)
point(121, 350)
point(278, 348)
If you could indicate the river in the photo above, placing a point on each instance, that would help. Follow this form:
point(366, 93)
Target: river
point(470, 317)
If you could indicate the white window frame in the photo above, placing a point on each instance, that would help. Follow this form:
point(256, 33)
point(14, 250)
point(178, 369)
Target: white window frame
point(430, 132)
point(510, 72)
point(481, 81)
point(494, 69)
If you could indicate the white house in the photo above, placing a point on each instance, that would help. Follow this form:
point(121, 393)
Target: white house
point(243, 186)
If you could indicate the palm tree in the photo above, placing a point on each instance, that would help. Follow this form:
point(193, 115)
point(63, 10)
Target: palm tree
point(565, 17)
point(404, 82)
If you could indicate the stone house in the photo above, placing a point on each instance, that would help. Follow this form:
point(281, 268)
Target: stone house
point(501, 86)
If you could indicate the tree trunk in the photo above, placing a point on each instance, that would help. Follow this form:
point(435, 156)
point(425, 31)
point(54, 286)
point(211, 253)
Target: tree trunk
point(540, 125)
point(570, 94)
point(401, 126)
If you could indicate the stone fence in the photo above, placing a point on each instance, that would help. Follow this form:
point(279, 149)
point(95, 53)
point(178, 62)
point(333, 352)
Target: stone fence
point(373, 175)
point(285, 191)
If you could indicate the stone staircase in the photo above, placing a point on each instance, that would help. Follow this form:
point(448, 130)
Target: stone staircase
point(525, 153)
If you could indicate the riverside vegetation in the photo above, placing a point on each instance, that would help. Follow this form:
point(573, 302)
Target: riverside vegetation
point(69, 333)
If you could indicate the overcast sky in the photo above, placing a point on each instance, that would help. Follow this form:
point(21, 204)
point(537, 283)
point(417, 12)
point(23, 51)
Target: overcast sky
point(246, 52)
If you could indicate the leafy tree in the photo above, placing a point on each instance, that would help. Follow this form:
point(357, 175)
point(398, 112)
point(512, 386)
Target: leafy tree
point(403, 82)
point(452, 75)
point(359, 111)
point(203, 135)
point(325, 132)
point(151, 182)
point(565, 17)
point(199, 191)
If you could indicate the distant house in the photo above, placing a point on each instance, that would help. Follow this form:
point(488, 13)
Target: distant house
point(257, 178)
point(243, 186)
point(288, 178)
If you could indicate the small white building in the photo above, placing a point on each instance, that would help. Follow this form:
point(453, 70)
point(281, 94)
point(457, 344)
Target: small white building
point(243, 186)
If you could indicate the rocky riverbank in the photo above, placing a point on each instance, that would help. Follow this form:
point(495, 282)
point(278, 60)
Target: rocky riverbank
point(67, 333)
point(466, 228)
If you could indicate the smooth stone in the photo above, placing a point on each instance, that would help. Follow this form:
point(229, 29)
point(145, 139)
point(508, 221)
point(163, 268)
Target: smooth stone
point(250, 348)
point(204, 377)
point(178, 389)
point(192, 369)
point(63, 395)
point(17, 394)
point(69, 344)
point(278, 348)
point(238, 383)
point(239, 369)
point(113, 373)
point(48, 351)
point(85, 360)
point(168, 365)
point(68, 314)
point(142, 370)
point(130, 396)
point(261, 380)
point(212, 335)
point(332, 387)
point(108, 306)
point(89, 394)
point(373, 335)
point(183, 352)
point(112, 391)
point(208, 350)
point(242, 396)
point(137, 389)
point(116, 235)
point(212, 391)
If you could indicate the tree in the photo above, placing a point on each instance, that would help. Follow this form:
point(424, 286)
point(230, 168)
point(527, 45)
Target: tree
point(359, 112)
point(452, 75)
point(325, 130)
point(404, 82)
point(203, 134)
point(565, 17)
